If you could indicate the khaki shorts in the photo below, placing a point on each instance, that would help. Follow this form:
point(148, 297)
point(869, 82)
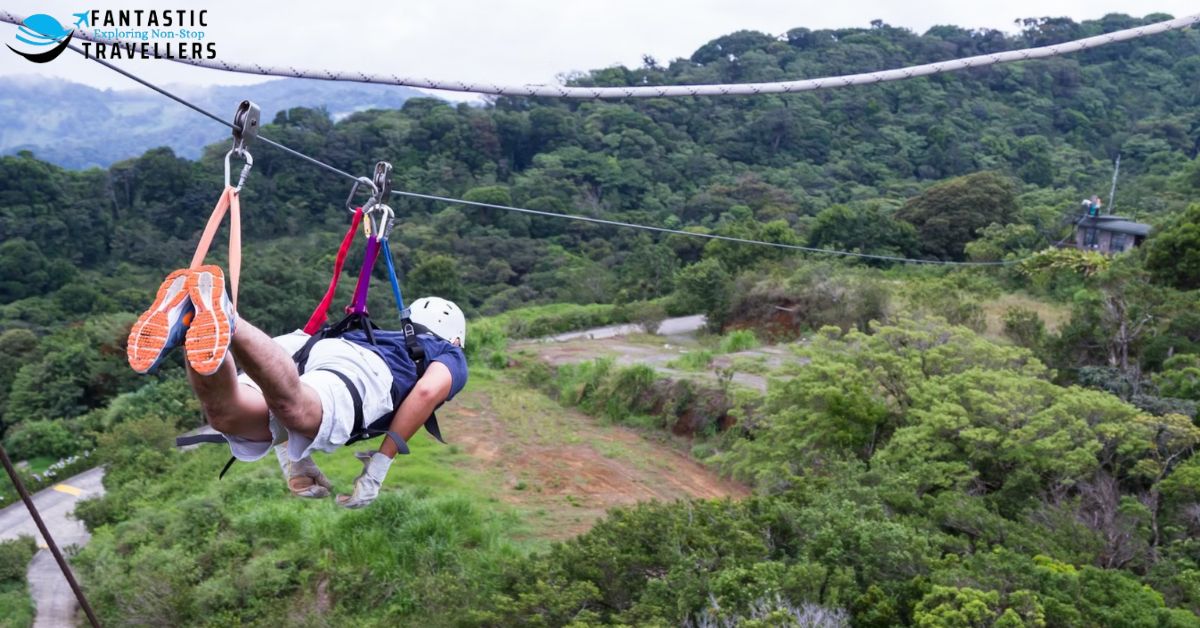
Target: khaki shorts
point(367, 371)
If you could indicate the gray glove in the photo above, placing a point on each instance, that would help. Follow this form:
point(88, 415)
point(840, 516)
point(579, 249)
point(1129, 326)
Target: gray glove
point(366, 487)
point(303, 476)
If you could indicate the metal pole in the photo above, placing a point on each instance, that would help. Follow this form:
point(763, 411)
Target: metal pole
point(1112, 194)
point(37, 519)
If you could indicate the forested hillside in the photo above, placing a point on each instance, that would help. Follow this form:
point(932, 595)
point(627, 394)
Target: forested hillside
point(914, 466)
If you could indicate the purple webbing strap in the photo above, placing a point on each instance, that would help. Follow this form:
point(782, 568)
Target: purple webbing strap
point(359, 305)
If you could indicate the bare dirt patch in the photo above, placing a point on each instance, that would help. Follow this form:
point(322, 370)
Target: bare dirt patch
point(565, 469)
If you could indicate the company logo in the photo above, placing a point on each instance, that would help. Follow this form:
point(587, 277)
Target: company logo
point(41, 30)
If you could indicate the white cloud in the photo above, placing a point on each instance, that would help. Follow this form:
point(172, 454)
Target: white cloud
point(521, 41)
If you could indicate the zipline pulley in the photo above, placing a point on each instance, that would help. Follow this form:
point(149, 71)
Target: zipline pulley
point(382, 182)
point(245, 129)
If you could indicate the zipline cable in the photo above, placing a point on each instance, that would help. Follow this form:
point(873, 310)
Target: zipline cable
point(659, 91)
point(710, 236)
point(576, 217)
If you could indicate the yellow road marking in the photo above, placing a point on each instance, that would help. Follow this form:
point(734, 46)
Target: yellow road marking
point(68, 489)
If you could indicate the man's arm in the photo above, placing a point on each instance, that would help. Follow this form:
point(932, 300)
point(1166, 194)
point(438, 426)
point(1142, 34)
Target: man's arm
point(431, 390)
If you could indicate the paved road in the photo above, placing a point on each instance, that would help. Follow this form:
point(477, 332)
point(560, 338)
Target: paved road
point(55, 603)
point(669, 327)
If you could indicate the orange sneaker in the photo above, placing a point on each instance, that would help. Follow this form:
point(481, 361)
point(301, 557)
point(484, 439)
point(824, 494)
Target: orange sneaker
point(160, 328)
point(211, 330)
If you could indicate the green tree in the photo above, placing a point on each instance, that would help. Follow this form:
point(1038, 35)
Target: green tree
point(948, 214)
point(41, 438)
point(1180, 377)
point(17, 346)
point(438, 275)
point(23, 268)
point(77, 369)
point(1173, 255)
point(740, 223)
point(862, 228)
point(704, 287)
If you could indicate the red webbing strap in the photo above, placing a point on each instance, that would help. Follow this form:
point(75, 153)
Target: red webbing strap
point(229, 201)
point(320, 314)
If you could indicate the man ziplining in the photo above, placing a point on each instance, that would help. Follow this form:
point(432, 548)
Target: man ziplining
point(270, 402)
point(318, 388)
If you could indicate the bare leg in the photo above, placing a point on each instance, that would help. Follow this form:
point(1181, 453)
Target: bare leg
point(231, 408)
point(295, 404)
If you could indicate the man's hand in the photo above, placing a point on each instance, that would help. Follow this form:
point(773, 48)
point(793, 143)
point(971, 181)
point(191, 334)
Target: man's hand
point(366, 487)
point(303, 476)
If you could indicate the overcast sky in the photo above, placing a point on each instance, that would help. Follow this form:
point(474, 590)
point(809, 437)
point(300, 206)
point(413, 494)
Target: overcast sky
point(524, 41)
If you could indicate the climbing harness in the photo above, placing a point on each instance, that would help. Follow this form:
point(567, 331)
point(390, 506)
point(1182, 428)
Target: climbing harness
point(376, 219)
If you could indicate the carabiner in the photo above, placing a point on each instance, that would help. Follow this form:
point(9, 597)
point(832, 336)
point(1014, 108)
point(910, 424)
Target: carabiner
point(387, 218)
point(244, 154)
point(354, 190)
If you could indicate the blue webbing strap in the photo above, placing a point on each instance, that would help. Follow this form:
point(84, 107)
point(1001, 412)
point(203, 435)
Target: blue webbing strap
point(391, 266)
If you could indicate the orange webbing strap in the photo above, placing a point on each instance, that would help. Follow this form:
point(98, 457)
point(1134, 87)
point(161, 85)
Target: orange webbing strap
point(229, 201)
point(320, 314)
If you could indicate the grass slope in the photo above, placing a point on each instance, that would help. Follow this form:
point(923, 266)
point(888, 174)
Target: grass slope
point(174, 545)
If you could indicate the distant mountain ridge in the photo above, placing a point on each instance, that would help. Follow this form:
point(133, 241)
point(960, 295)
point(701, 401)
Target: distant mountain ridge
point(77, 126)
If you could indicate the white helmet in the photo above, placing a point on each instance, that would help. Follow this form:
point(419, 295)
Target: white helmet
point(442, 318)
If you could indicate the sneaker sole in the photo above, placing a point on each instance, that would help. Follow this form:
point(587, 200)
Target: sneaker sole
point(208, 337)
point(149, 336)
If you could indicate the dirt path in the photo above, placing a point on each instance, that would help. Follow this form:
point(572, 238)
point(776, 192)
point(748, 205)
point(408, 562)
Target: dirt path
point(564, 469)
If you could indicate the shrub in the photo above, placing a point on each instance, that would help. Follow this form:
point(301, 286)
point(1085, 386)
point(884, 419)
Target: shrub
point(1180, 377)
point(705, 288)
point(738, 340)
point(15, 555)
point(629, 394)
point(648, 314)
point(812, 297)
point(487, 343)
point(16, 607)
point(697, 360)
point(546, 320)
point(942, 298)
point(139, 448)
point(31, 439)
point(1024, 327)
